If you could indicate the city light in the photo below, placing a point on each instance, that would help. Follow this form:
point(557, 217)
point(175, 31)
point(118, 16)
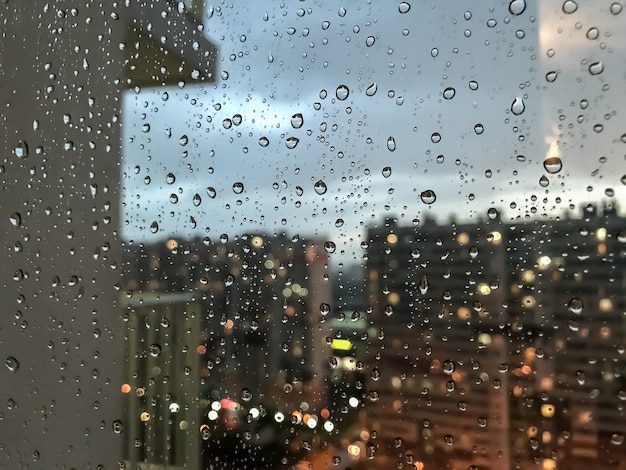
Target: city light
point(392, 239)
point(353, 402)
point(354, 450)
point(126, 388)
point(213, 415)
point(174, 407)
point(341, 344)
point(329, 426)
point(544, 262)
point(279, 417)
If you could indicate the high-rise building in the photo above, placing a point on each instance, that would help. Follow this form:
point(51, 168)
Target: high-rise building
point(499, 345)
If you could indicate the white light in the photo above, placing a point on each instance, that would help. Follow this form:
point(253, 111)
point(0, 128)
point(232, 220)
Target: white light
point(279, 417)
point(353, 402)
point(216, 406)
point(328, 426)
point(174, 407)
point(212, 415)
point(311, 422)
point(254, 413)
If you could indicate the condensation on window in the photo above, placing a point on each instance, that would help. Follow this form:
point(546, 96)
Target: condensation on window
point(312, 234)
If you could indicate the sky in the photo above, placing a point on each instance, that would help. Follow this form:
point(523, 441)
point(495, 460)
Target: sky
point(383, 105)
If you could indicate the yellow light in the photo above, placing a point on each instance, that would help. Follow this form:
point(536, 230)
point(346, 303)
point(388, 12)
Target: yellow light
point(528, 301)
point(484, 338)
point(547, 410)
point(483, 289)
point(171, 244)
point(229, 324)
point(549, 464)
point(464, 313)
point(530, 354)
point(497, 238)
point(544, 262)
point(257, 242)
point(605, 305)
point(601, 234)
point(528, 276)
point(392, 238)
point(145, 416)
point(354, 450)
point(341, 344)
point(269, 264)
point(393, 298)
point(463, 238)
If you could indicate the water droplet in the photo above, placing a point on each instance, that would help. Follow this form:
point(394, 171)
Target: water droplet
point(117, 426)
point(387, 172)
point(342, 92)
point(423, 285)
point(342, 12)
point(369, 41)
point(388, 310)
point(617, 438)
point(183, 140)
point(596, 68)
point(553, 165)
point(211, 192)
point(155, 350)
point(264, 141)
point(517, 7)
point(593, 33)
point(197, 200)
point(330, 247)
point(398, 442)
point(551, 76)
point(170, 178)
point(21, 150)
point(449, 93)
point(371, 90)
point(237, 119)
point(12, 364)
point(518, 106)
point(492, 213)
point(448, 367)
point(320, 187)
point(297, 120)
point(623, 179)
point(238, 188)
point(154, 227)
point(391, 144)
point(428, 196)
point(404, 7)
point(246, 394)
point(15, 219)
point(434, 52)
point(435, 137)
point(569, 6)
point(616, 8)
point(292, 142)
point(479, 129)
point(575, 305)
point(324, 309)
point(473, 85)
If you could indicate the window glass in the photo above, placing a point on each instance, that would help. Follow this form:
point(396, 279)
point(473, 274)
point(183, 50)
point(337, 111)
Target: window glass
point(313, 234)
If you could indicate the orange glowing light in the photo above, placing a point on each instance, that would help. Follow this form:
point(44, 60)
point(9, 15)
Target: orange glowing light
point(325, 413)
point(201, 349)
point(126, 388)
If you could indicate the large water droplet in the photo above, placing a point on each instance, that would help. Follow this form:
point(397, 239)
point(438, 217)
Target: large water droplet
point(551, 76)
point(211, 192)
point(575, 305)
point(616, 8)
point(449, 93)
point(517, 7)
point(15, 219)
point(387, 172)
point(264, 141)
point(320, 187)
point(544, 181)
point(183, 140)
point(371, 90)
point(518, 106)
point(330, 247)
point(369, 41)
point(391, 144)
point(170, 178)
point(492, 213)
point(569, 6)
point(342, 92)
point(292, 142)
point(154, 227)
point(553, 165)
point(404, 7)
point(428, 196)
point(596, 68)
point(324, 309)
point(197, 200)
point(12, 364)
point(297, 120)
point(21, 150)
point(117, 426)
point(238, 187)
point(246, 395)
